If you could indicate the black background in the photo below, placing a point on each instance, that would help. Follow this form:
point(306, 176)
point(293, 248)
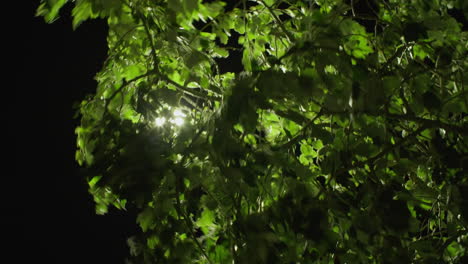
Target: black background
point(53, 220)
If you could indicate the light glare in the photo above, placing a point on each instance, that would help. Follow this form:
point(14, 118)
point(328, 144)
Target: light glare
point(178, 121)
point(160, 121)
point(179, 113)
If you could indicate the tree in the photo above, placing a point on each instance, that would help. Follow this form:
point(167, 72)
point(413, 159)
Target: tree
point(262, 131)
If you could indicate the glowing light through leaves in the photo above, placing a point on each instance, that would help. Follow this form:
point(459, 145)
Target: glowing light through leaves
point(160, 121)
point(178, 119)
point(179, 113)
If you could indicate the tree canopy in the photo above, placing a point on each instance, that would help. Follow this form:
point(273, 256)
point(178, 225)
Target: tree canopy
point(263, 131)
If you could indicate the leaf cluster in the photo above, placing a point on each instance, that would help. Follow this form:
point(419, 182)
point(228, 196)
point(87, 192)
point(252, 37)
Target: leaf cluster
point(343, 140)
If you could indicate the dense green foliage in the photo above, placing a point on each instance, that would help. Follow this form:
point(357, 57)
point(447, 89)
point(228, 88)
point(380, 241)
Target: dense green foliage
point(340, 137)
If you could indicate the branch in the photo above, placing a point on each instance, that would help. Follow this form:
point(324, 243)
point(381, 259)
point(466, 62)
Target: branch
point(117, 45)
point(150, 38)
point(125, 84)
point(192, 92)
point(431, 123)
point(288, 35)
point(306, 47)
point(371, 160)
point(423, 121)
point(454, 237)
point(397, 53)
point(392, 147)
point(189, 225)
point(178, 207)
point(300, 134)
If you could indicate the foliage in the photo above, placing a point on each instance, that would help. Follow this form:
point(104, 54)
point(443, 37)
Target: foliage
point(341, 139)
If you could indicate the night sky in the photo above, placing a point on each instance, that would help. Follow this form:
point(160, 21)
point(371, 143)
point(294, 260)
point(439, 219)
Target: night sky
point(54, 214)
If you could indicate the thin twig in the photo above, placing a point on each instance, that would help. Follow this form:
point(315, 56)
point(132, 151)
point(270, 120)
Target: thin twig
point(150, 38)
point(408, 117)
point(280, 23)
point(124, 84)
point(189, 225)
point(431, 123)
point(300, 135)
point(192, 92)
point(179, 210)
point(117, 45)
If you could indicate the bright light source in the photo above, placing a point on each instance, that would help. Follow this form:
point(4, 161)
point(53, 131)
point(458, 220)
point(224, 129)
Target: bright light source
point(160, 121)
point(179, 113)
point(178, 121)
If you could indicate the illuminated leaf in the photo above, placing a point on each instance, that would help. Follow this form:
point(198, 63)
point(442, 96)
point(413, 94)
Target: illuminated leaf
point(206, 221)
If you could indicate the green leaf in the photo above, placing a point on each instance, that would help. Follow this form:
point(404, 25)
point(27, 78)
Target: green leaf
point(246, 60)
point(190, 6)
point(82, 11)
point(356, 42)
point(308, 151)
point(212, 9)
point(152, 241)
point(419, 51)
point(93, 181)
point(291, 126)
point(206, 220)
point(194, 59)
point(146, 219)
point(49, 9)
point(220, 52)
